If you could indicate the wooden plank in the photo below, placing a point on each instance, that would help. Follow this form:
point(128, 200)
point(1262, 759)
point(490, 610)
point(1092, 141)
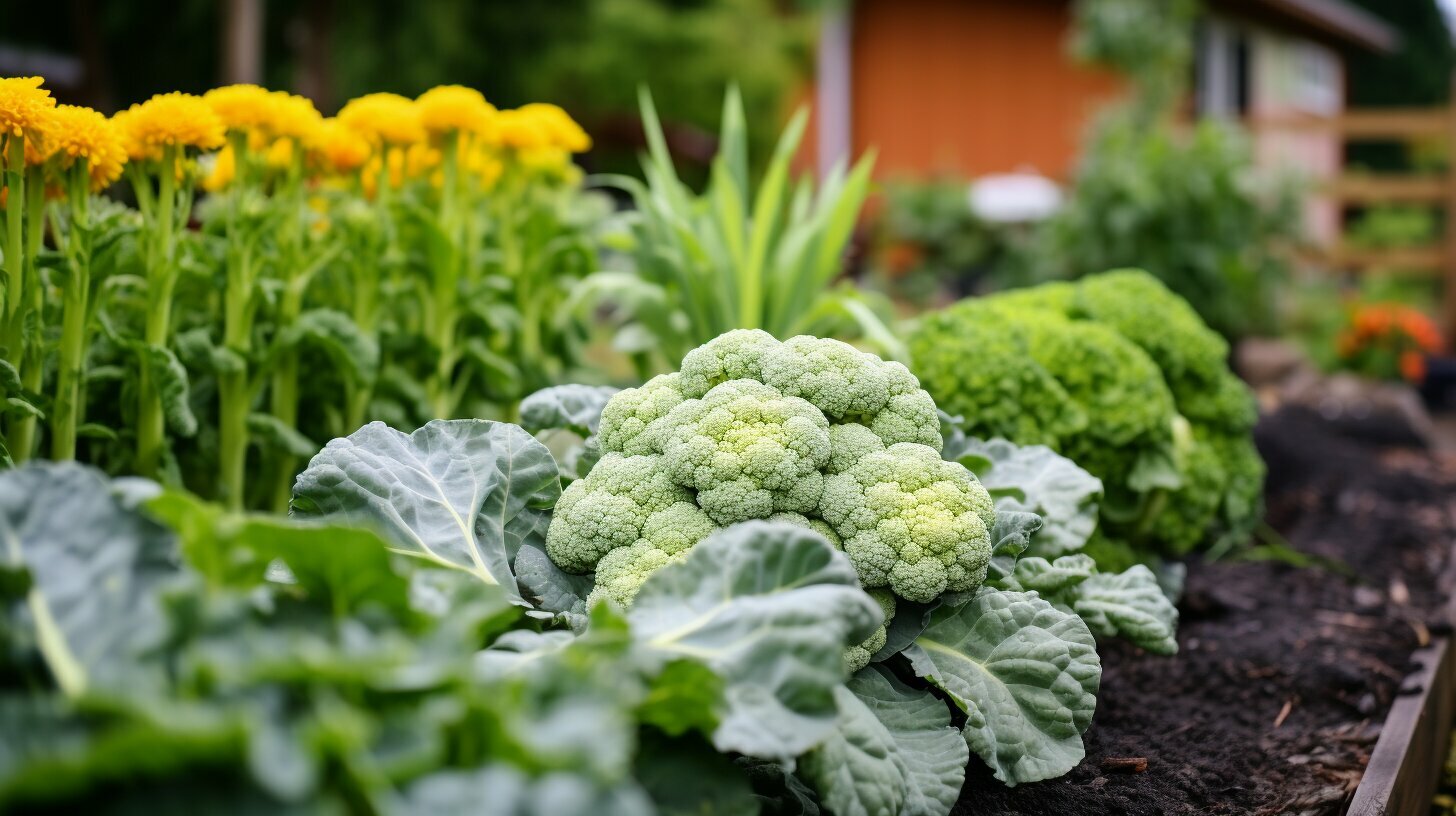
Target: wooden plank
point(1389, 189)
point(1396, 124)
point(1426, 261)
point(1448, 295)
point(1405, 766)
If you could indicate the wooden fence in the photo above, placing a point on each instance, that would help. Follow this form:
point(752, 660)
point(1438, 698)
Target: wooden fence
point(1403, 125)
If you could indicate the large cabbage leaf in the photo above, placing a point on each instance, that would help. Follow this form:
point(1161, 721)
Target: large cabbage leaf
point(1024, 672)
point(96, 570)
point(895, 751)
point(770, 607)
point(463, 493)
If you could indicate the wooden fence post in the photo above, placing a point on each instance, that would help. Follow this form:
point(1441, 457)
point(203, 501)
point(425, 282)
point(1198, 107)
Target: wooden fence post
point(1448, 289)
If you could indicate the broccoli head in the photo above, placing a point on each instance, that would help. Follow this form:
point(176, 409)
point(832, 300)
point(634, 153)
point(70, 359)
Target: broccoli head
point(754, 428)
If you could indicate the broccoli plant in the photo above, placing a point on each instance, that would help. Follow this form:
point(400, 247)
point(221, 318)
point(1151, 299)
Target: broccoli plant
point(815, 434)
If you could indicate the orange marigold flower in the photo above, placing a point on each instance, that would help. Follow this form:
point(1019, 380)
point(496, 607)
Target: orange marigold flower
point(453, 108)
point(1413, 366)
point(25, 106)
point(384, 118)
point(173, 119)
point(82, 133)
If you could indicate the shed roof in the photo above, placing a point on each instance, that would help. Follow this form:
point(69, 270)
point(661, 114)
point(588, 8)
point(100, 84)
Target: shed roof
point(1336, 20)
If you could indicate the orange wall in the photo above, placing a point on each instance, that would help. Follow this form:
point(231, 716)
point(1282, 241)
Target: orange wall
point(969, 86)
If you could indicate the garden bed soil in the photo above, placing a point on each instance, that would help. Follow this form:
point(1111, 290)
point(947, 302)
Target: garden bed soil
point(1284, 674)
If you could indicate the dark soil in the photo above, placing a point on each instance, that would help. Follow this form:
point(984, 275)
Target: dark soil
point(1284, 674)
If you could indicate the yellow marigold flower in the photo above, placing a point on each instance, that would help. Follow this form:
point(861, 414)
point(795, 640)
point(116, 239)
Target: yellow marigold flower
point(338, 148)
point(297, 118)
point(560, 129)
point(243, 107)
point(448, 108)
point(24, 106)
point(172, 119)
point(516, 129)
point(81, 133)
point(280, 154)
point(223, 169)
point(420, 160)
point(384, 118)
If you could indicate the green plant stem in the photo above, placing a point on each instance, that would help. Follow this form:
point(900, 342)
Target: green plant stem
point(284, 394)
point(366, 317)
point(21, 439)
point(161, 281)
point(75, 305)
point(444, 311)
point(14, 249)
point(233, 392)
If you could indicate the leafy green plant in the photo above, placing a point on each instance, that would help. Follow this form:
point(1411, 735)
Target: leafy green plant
point(734, 257)
point(1182, 208)
point(929, 243)
point(1148, 406)
point(405, 642)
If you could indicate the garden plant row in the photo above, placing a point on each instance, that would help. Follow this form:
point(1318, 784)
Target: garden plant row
point(788, 575)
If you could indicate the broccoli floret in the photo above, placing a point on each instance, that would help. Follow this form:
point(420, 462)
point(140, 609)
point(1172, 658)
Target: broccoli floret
point(858, 656)
point(748, 450)
point(912, 521)
point(837, 378)
point(667, 536)
point(609, 509)
point(850, 442)
point(818, 525)
point(736, 355)
point(632, 420)
point(910, 414)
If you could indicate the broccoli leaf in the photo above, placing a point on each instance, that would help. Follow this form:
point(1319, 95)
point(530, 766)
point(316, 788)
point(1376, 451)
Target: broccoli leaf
point(895, 751)
point(771, 608)
point(1024, 672)
point(1039, 480)
point(1011, 537)
point(717, 787)
point(1130, 604)
point(97, 573)
point(460, 493)
point(508, 791)
point(576, 408)
point(347, 566)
